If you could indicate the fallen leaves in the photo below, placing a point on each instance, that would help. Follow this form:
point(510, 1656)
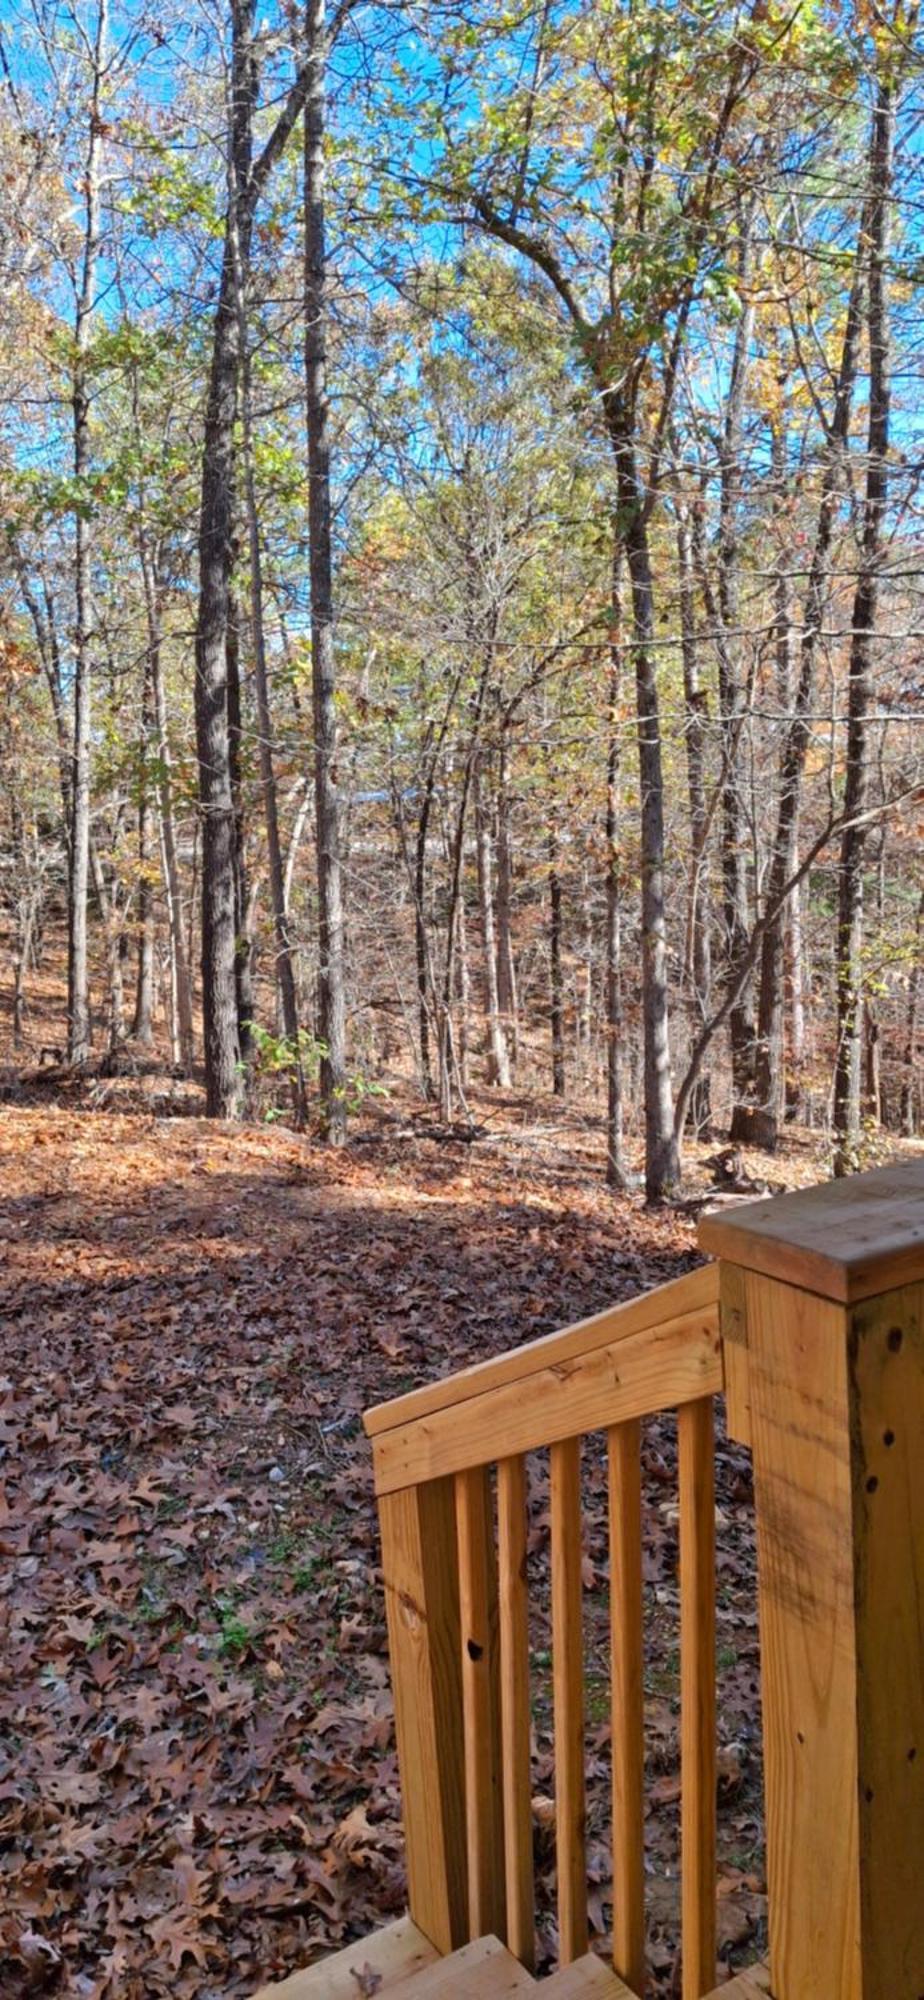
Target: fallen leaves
point(198, 1782)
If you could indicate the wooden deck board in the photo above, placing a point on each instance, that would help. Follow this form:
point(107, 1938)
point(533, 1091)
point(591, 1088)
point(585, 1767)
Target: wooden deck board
point(397, 1953)
point(587, 1978)
point(751, 1985)
point(484, 1970)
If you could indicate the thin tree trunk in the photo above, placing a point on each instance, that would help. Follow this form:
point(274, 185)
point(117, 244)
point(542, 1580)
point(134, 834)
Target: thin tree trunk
point(295, 840)
point(556, 985)
point(109, 913)
point(331, 969)
point(179, 977)
point(910, 1084)
point(44, 624)
point(243, 936)
point(662, 1156)
point(585, 1009)
point(872, 1085)
point(284, 967)
point(78, 989)
point(26, 922)
point(861, 678)
point(616, 1173)
point(449, 1073)
point(421, 951)
point(506, 968)
point(769, 1095)
point(142, 1024)
point(463, 993)
point(733, 710)
point(795, 984)
point(698, 954)
point(498, 1066)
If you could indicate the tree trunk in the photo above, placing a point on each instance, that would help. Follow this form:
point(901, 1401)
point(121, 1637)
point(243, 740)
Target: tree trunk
point(585, 996)
point(78, 989)
point(556, 987)
point(909, 1091)
point(179, 961)
point(220, 970)
point(616, 1174)
point(108, 910)
point(662, 1157)
point(723, 609)
point(142, 1023)
point(498, 1067)
point(463, 993)
point(795, 990)
point(331, 971)
point(769, 1094)
point(246, 180)
point(421, 948)
point(243, 933)
point(861, 677)
point(698, 953)
point(284, 967)
point(872, 1082)
point(506, 968)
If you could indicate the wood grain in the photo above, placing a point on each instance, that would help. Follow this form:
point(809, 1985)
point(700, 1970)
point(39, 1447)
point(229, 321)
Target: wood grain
point(733, 1328)
point(484, 1831)
point(667, 1365)
point(846, 1239)
point(697, 1291)
point(751, 1985)
point(585, 1977)
point(420, 1569)
point(568, 1698)
point(397, 1952)
point(696, 1457)
point(800, 1420)
point(886, 1361)
point(627, 1702)
point(482, 1970)
point(515, 1707)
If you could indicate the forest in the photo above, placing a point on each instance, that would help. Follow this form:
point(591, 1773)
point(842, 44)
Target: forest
point(461, 702)
point(461, 605)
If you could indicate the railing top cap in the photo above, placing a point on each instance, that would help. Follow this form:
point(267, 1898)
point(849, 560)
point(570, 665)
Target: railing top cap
point(847, 1239)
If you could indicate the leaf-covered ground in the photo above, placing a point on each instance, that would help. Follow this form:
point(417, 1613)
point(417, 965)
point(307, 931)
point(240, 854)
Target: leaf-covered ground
point(198, 1787)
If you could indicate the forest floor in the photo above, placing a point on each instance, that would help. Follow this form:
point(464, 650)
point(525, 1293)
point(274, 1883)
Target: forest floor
point(198, 1786)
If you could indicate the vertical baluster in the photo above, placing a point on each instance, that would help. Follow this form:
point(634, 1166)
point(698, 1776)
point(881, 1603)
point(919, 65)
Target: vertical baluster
point(478, 1617)
point(625, 1494)
point(514, 1706)
point(420, 1569)
point(696, 1450)
point(568, 1698)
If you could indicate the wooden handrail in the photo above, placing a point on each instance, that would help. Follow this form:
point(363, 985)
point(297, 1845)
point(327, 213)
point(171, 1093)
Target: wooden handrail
point(697, 1291)
point(606, 1371)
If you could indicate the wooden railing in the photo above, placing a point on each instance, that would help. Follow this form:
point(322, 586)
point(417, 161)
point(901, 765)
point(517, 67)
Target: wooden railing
point(454, 1537)
point(813, 1324)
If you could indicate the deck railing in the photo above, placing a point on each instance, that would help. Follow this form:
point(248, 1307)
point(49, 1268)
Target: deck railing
point(450, 1468)
point(825, 1393)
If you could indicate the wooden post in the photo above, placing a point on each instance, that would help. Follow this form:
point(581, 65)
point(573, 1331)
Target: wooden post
point(825, 1289)
point(421, 1572)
